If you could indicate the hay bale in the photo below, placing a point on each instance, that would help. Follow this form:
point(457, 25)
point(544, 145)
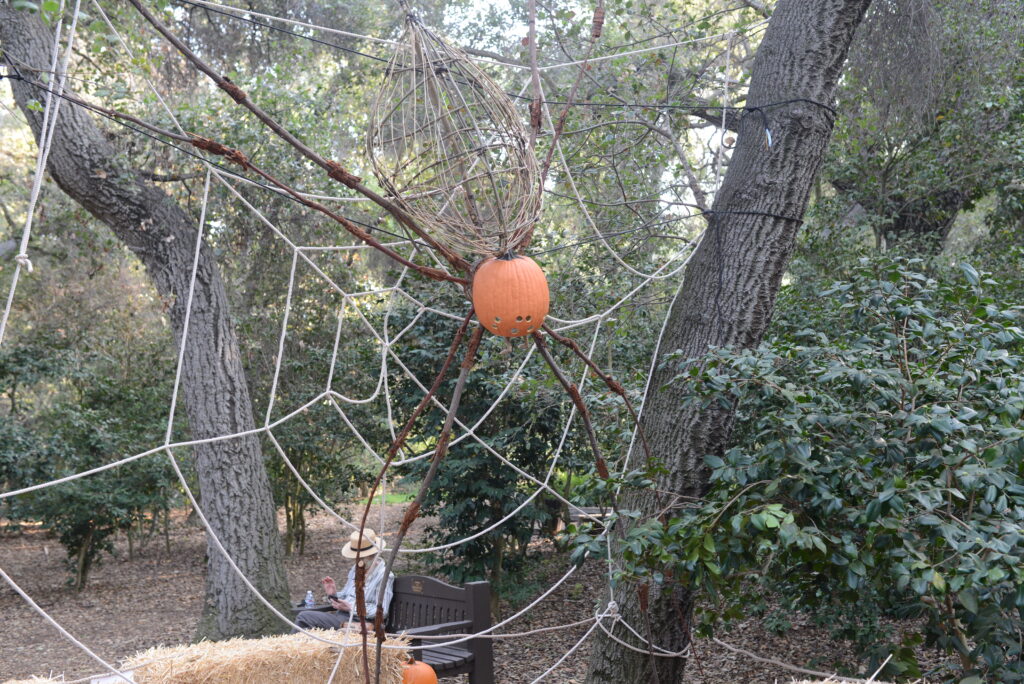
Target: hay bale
point(292, 658)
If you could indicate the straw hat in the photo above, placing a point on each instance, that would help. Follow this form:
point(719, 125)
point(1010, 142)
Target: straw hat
point(367, 545)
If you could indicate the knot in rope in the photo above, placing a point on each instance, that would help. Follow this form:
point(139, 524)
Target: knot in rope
point(24, 261)
point(612, 610)
point(214, 147)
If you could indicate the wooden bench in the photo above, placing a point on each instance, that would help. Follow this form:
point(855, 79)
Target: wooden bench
point(423, 606)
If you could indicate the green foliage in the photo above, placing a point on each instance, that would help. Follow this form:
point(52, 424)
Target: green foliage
point(932, 117)
point(876, 470)
point(103, 412)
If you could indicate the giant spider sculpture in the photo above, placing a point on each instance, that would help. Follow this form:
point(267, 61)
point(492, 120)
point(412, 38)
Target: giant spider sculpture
point(448, 146)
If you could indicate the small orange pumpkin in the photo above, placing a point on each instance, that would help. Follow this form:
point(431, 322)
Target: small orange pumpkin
point(416, 672)
point(510, 295)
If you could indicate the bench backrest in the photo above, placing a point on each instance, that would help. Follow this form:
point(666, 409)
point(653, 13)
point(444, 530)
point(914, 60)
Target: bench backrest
point(419, 601)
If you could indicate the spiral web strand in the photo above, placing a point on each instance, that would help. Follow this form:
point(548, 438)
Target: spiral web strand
point(445, 127)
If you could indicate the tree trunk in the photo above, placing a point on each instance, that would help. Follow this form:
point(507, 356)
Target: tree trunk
point(729, 289)
point(233, 483)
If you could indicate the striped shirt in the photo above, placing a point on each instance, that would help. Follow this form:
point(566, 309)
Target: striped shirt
point(373, 581)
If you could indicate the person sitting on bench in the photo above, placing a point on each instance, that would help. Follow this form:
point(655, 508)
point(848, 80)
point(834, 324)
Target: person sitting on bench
point(368, 547)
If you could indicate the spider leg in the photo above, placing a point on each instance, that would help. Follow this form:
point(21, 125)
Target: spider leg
point(574, 394)
point(611, 382)
point(394, 449)
point(414, 508)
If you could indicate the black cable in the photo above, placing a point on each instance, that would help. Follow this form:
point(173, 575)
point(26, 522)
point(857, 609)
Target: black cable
point(517, 96)
point(231, 172)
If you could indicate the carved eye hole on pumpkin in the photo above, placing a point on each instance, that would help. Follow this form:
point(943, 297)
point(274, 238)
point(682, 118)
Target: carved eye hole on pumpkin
point(529, 318)
point(519, 318)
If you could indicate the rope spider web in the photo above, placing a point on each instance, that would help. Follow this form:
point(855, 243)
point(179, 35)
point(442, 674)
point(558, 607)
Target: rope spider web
point(385, 339)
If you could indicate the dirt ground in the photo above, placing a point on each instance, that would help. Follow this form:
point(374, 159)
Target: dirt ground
point(155, 599)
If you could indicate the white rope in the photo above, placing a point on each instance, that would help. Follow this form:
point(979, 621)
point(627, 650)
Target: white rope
point(188, 309)
point(685, 653)
point(49, 126)
point(67, 635)
point(568, 653)
point(690, 41)
point(150, 452)
point(333, 397)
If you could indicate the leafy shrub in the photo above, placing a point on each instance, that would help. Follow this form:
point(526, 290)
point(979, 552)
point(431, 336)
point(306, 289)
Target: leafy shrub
point(875, 470)
point(96, 412)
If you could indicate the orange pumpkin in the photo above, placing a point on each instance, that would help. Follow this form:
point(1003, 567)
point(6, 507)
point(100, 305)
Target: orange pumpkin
point(415, 672)
point(510, 295)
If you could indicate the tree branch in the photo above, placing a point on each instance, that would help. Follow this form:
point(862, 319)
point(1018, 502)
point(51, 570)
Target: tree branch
point(238, 157)
point(759, 6)
point(577, 400)
point(334, 169)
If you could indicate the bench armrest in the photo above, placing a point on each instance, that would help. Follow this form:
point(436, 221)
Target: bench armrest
point(417, 645)
point(428, 630)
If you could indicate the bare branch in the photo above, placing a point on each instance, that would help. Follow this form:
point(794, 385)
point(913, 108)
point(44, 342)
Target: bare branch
point(334, 169)
point(759, 6)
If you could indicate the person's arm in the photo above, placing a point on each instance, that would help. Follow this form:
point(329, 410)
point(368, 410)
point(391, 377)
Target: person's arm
point(348, 592)
point(389, 592)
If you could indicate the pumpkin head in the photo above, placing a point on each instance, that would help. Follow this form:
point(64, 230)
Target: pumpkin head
point(510, 295)
point(415, 672)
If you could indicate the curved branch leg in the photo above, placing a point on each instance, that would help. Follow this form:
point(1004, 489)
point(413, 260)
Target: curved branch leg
point(414, 508)
point(611, 382)
point(574, 394)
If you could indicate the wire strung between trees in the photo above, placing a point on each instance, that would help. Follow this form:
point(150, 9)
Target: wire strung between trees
point(220, 8)
point(140, 127)
point(213, 7)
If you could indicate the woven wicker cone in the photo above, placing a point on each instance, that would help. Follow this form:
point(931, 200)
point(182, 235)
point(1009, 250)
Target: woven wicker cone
point(293, 658)
point(447, 142)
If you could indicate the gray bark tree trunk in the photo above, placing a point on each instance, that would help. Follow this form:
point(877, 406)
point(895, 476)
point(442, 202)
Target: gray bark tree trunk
point(729, 290)
point(233, 483)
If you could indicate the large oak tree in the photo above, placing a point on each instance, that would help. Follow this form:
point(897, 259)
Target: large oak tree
point(233, 483)
point(730, 286)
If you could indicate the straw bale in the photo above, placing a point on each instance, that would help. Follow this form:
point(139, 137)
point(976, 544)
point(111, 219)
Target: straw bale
point(292, 658)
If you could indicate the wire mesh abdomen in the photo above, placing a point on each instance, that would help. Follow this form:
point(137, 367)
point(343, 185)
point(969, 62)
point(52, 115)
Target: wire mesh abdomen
point(447, 142)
